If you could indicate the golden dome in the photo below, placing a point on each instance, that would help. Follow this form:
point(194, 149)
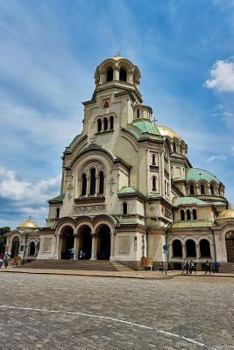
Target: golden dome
point(116, 58)
point(168, 132)
point(226, 214)
point(28, 224)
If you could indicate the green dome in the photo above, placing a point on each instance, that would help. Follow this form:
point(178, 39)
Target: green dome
point(146, 127)
point(196, 174)
point(127, 189)
point(187, 201)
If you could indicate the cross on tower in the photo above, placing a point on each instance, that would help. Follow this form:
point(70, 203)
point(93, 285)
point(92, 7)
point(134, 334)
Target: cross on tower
point(155, 120)
point(117, 54)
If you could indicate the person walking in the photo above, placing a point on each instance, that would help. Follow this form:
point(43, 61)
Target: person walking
point(207, 267)
point(5, 260)
point(191, 267)
point(187, 268)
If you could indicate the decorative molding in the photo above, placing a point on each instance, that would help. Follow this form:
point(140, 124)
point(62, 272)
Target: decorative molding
point(86, 209)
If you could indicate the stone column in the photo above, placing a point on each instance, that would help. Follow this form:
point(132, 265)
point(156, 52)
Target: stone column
point(75, 247)
point(183, 251)
point(112, 246)
point(94, 247)
point(198, 250)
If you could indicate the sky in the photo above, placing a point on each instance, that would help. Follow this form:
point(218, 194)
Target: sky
point(49, 50)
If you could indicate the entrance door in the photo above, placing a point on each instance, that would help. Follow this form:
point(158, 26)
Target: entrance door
point(104, 243)
point(67, 242)
point(230, 246)
point(85, 243)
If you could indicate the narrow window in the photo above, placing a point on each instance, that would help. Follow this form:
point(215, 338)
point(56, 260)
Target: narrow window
point(174, 147)
point(153, 159)
point(122, 74)
point(99, 125)
point(177, 248)
point(205, 248)
point(101, 182)
point(188, 214)
point(109, 74)
point(182, 216)
point(138, 113)
point(212, 189)
point(202, 189)
point(190, 248)
point(84, 184)
point(191, 189)
point(125, 208)
point(111, 122)
point(194, 214)
point(105, 124)
point(92, 181)
point(154, 183)
point(57, 213)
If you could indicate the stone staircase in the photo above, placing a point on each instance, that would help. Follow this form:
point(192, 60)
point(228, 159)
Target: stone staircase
point(92, 265)
point(227, 268)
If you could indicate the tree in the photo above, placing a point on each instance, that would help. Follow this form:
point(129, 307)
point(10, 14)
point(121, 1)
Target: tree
point(3, 231)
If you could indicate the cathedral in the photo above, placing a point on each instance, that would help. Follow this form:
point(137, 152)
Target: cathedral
point(128, 189)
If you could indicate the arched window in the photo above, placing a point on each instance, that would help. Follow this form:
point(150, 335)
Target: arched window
point(105, 123)
point(212, 190)
point(32, 249)
point(188, 214)
point(109, 74)
point(57, 213)
point(191, 189)
point(194, 214)
point(111, 122)
point(101, 182)
point(154, 186)
point(153, 159)
point(138, 113)
point(182, 216)
point(174, 147)
point(177, 248)
point(92, 181)
point(190, 248)
point(125, 208)
point(122, 74)
point(204, 248)
point(99, 125)
point(202, 189)
point(84, 185)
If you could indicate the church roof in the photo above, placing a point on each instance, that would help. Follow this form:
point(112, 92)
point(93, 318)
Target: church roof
point(188, 201)
point(127, 189)
point(28, 224)
point(196, 174)
point(57, 199)
point(168, 132)
point(146, 127)
point(226, 214)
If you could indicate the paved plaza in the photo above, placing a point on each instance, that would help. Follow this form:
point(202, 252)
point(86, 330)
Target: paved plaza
point(94, 313)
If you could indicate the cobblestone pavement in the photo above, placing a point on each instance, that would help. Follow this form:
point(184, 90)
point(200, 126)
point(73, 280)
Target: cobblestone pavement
point(86, 313)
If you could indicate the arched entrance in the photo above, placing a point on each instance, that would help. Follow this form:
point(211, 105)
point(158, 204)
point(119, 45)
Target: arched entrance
point(177, 248)
point(31, 249)
point(190, 248)
point(103, 242)
point(15, 246)
point(67, 242)
point(230, 246)
point(85, 242)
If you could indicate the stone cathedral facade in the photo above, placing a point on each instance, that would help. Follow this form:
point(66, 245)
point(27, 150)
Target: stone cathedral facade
point(128, 189)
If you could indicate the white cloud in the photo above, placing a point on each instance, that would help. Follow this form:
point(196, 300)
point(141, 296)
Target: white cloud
point(222, 76)
point(15, 189)
point(217, 157)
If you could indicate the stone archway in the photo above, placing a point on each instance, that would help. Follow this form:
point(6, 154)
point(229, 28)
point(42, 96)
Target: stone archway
point(230, 246)
point(103, 242)
point(85, 242)
point(67, 242)
point(15, 247)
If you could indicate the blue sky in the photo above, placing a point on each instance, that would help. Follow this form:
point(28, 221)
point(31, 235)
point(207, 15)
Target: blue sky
point(49, 50)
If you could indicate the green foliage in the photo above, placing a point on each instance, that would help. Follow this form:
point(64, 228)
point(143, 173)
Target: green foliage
point(3, 231)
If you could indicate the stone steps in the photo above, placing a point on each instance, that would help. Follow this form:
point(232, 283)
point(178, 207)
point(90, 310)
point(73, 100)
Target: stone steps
point(93, 265)
point(227, 268)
